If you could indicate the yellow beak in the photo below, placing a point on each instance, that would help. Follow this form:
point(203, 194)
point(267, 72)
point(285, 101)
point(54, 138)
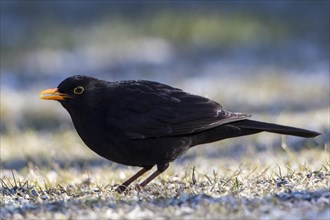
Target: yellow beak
point(53, 94)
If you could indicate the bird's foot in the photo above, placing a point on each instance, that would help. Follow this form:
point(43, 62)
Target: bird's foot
point(121, 188)
point(138, 187)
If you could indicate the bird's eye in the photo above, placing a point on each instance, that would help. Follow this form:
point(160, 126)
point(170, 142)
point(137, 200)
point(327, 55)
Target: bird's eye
point(78, 90)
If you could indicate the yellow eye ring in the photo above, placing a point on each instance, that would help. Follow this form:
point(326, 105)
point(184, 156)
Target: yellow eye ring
point(78, 90)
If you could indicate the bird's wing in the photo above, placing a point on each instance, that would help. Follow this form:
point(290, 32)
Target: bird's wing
point(149, 110)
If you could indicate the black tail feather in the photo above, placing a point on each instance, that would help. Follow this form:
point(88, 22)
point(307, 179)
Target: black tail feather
point(274, 128)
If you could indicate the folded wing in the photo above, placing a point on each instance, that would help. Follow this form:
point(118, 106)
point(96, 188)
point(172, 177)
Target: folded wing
point(164, 111)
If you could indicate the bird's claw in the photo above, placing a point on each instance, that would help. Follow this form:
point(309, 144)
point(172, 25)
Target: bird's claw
point(138, 188)
point(121, 189)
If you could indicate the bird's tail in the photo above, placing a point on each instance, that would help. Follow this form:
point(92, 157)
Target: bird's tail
point(250, 127)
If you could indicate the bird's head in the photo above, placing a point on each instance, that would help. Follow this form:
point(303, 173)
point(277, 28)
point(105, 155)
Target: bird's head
point(76, 89)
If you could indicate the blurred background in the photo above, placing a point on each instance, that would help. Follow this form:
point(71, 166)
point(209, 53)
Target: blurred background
point(267, 58)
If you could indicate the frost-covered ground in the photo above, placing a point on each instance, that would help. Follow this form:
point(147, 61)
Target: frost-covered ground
point(267, 59)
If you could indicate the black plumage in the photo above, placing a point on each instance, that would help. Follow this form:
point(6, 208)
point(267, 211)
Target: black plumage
point(143, 123)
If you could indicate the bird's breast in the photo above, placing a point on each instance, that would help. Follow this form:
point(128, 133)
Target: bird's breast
point(109, 142)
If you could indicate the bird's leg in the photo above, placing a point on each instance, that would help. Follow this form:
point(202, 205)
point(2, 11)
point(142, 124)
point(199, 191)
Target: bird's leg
point(160, 169)
point(125, 184)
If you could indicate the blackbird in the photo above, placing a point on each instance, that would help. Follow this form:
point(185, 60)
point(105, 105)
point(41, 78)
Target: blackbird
point(144, 123)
